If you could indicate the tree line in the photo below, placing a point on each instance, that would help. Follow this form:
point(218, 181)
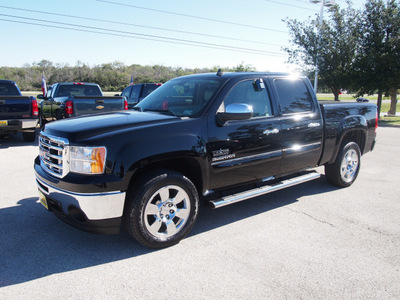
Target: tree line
point(357, 50)
point(113, 77)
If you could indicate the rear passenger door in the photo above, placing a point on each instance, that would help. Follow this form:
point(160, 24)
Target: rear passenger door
point(301, 123)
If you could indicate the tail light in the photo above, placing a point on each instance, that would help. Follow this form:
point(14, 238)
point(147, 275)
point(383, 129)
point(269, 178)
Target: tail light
point(69, 107)
point(125, 104)
point(376, 122)
point(35, 108)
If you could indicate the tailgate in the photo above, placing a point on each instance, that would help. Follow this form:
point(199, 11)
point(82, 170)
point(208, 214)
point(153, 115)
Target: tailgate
point(15, 107)
point(92, 105)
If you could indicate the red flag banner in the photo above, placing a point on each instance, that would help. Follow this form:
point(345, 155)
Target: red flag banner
point(44, 87)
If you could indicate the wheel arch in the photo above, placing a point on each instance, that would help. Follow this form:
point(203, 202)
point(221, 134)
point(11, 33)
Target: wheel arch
point(190, 166)
point(357, 136)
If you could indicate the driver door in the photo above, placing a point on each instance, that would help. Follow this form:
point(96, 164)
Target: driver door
point(242, 151)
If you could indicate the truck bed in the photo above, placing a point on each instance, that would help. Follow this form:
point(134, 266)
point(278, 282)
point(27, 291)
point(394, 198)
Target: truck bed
point(15, 107)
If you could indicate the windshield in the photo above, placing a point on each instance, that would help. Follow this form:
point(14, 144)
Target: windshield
point(182, 97)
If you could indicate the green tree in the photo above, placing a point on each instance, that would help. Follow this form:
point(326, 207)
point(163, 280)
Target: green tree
point(332, 45)
point(377, 64)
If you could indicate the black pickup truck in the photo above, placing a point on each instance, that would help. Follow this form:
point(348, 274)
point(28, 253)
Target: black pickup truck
point(72, 99)
point(17, 113)
point(217, 138)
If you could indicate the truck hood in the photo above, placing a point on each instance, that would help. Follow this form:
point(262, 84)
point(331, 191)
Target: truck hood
point(79, 128)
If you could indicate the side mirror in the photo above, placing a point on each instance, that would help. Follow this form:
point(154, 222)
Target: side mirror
point(235, 111)
point(40, 96)
point(258, 85)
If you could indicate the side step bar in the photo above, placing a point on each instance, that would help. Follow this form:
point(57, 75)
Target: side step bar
point(263, 190)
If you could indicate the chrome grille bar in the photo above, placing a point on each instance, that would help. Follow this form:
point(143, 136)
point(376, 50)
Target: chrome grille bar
point(52, 154)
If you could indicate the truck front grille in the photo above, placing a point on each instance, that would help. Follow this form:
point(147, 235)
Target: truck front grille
point(52, 152)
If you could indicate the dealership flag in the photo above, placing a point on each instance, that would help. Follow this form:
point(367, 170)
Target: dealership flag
point(44, 88)
point(131, 80)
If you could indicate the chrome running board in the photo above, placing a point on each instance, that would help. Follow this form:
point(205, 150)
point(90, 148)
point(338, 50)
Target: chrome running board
point(263, 190)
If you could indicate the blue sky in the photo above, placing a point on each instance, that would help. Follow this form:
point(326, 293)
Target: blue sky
point(172, 33)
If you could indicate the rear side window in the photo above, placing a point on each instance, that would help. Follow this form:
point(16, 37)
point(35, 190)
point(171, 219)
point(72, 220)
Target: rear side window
point(147, 89)
point(293, 96)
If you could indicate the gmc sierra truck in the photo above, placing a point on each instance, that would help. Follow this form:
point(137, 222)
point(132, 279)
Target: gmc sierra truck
point(17, 113)
point(215, 138)
point(72, 99)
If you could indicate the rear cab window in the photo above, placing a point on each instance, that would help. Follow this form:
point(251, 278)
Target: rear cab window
point(68, 90)
point(9, 89)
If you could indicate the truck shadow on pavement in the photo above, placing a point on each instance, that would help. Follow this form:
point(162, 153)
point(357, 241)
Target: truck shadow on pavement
point(35, 244)
point(16, 140)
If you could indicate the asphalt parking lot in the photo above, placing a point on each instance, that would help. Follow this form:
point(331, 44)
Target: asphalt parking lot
point(312, 241)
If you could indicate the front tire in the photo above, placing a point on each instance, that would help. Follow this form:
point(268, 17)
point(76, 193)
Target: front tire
point(161, 209)
point(344, 171)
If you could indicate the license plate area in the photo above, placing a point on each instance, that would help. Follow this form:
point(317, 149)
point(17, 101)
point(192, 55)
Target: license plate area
point(3, 123)
point(43, 200)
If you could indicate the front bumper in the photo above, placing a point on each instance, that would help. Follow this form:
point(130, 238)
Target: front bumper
point(93, 212)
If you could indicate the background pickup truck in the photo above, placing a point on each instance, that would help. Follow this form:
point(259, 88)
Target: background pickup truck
point(71, 99)
point(137, 92)
point(17, 113)
point(217, 138)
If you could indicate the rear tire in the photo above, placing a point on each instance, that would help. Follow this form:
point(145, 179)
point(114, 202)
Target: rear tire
point(344, 171)
point(29, 136)
point(161, 209)
point(42, 122)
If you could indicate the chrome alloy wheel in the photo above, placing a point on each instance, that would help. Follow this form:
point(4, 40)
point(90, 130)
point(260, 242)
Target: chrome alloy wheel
point(167, 211)
point(349, 166)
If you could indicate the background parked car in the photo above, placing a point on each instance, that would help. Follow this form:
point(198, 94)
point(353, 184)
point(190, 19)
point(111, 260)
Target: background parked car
point(72, 99)
point(136, 92)
point(17, 113)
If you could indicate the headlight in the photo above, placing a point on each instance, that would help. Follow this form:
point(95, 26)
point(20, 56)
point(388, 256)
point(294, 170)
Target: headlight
point(87, 160)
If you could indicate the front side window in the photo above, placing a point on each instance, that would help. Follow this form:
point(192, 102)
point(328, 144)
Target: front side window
point(136, 92)
point(247, 92)
point(293, 96)
point(126, 92)
point(49, 91)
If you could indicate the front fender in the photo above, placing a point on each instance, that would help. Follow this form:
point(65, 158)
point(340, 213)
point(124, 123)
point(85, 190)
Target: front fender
point(169, 146)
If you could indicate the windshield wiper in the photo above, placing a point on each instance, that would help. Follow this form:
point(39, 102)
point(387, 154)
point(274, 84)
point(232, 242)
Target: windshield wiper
point(163, 111)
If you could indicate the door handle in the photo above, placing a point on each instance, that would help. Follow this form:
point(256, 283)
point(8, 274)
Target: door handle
point(271, 131)
point(313, 125)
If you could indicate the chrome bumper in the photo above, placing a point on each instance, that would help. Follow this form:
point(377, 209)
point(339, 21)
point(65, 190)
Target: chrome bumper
point(28, 123)
point(96, 206)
